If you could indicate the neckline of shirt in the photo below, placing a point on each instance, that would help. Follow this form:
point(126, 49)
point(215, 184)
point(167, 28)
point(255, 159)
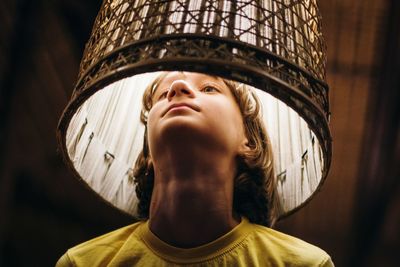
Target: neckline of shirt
point(202, 253)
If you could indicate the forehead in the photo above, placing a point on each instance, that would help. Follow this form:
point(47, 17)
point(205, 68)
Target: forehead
point(190, 77)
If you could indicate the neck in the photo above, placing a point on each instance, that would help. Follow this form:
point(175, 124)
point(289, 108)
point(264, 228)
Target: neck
point(191, 204)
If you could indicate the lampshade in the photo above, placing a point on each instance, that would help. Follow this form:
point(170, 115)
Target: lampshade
point(273, 46)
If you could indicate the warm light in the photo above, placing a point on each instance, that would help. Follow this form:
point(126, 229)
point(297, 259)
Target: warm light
point(274, 46)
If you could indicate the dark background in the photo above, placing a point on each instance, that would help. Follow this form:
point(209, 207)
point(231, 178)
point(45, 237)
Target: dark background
point(44, 210)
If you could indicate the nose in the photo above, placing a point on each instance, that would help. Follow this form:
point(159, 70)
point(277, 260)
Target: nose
point(180, 88)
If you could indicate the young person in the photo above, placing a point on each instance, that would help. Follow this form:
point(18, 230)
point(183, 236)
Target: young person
point(205, 183)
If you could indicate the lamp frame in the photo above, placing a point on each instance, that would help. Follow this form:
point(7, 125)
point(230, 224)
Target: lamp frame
point(302, 89)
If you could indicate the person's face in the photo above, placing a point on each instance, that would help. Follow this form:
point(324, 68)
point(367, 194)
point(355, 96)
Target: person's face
point(198, 108)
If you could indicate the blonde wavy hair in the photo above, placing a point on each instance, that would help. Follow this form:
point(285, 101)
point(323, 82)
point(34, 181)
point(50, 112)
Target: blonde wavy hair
point(254, 184)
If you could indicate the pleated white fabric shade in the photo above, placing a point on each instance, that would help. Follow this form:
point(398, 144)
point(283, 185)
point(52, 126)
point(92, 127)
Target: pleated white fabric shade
point(105, 137)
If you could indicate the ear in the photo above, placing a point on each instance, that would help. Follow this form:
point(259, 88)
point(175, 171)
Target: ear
point(149, 166)
point(244, 146)
point(149, 161)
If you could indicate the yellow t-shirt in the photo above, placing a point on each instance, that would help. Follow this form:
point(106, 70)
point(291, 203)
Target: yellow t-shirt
point(246, 245)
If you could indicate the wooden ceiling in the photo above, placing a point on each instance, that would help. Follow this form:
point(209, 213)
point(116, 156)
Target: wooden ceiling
point(44, 210)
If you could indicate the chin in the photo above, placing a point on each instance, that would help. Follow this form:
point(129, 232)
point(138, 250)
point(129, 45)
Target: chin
point(180, 127)
point(183, 129)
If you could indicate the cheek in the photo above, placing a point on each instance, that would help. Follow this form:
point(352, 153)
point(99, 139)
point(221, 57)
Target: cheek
point(152, 123)
point(227, 116)
point(230, 112)
point(154, 114)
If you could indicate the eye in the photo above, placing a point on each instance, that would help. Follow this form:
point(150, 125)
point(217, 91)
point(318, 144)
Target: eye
point(163, 95)
point(209, 89)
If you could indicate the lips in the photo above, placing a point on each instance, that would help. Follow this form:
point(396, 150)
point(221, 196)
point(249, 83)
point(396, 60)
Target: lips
point(175, 105)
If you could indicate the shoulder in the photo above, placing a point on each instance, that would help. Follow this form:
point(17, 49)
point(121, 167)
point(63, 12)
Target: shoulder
point(98, 249)
point(287, 249)
point(112, 240)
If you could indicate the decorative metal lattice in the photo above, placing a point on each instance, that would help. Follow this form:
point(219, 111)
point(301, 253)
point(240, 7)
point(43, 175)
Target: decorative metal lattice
point(275, 46)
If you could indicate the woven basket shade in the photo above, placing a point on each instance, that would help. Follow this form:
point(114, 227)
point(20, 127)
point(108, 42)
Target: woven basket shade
point(274, 46)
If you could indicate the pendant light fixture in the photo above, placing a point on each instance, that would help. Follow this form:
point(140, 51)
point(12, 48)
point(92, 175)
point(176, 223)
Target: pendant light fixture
point(275, 46)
